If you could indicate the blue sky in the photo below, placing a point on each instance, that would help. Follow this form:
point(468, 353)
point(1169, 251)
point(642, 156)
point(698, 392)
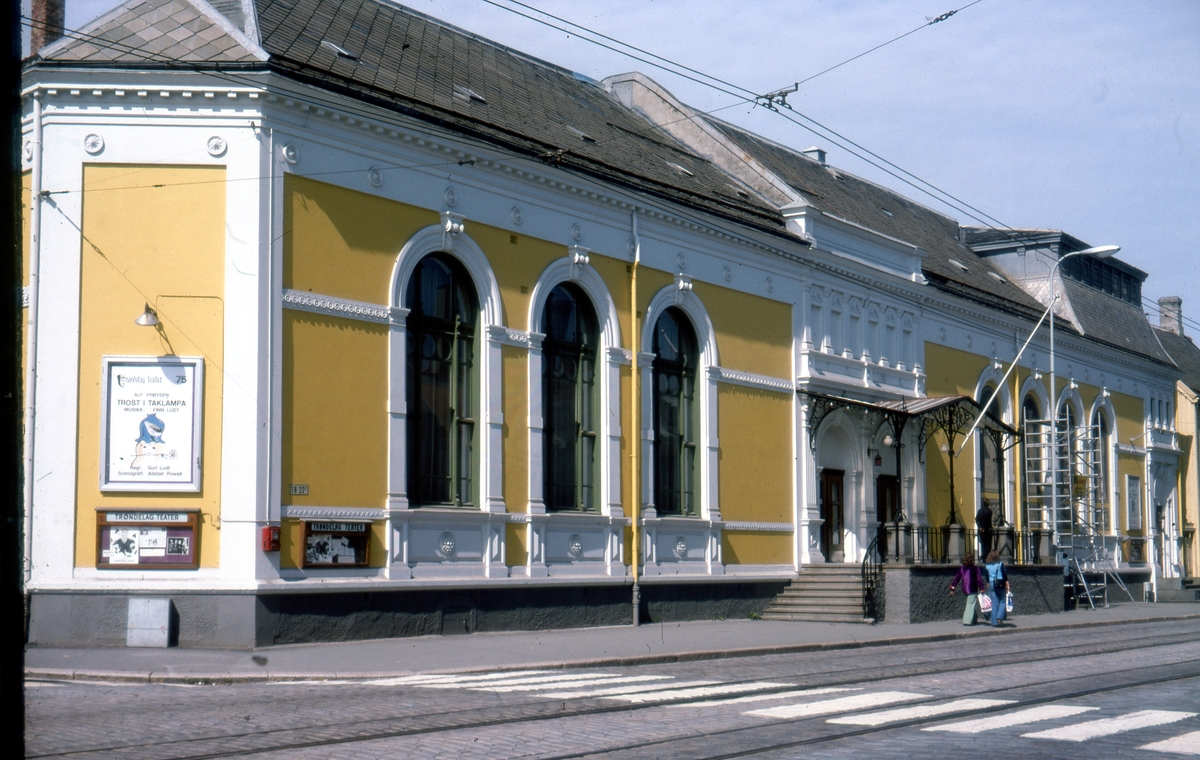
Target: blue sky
point(1071, 115)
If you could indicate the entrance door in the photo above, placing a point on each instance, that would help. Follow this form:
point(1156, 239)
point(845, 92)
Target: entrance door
point(887, 504)
point(832, 498)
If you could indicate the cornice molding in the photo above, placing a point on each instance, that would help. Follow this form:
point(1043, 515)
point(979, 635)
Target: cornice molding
point(759, 526)
point(509, 336)
point(335, 307)
point(752, 380)
point(333, 513)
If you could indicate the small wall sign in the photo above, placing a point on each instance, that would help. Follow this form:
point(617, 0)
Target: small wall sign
point(139, 539)
point(151, 426)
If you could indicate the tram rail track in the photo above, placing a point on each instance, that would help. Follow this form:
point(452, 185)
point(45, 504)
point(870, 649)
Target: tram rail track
point(534, 711)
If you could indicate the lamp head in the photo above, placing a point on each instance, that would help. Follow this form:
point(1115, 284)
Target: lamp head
point(147, 318)
point(1101, 251)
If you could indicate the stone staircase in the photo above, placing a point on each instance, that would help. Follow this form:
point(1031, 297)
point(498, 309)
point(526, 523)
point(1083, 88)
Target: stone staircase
point(822, 593)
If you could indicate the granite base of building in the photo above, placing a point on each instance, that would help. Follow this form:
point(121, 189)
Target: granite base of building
point(920, 594)
point(245, 621)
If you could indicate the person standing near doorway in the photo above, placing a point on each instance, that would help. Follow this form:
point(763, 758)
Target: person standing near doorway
point(983, 523)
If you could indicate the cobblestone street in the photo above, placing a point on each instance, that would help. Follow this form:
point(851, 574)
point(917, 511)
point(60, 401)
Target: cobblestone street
point(1129, 690)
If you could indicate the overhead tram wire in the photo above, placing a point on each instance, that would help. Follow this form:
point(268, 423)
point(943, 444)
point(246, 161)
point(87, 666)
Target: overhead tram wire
point(912, 180)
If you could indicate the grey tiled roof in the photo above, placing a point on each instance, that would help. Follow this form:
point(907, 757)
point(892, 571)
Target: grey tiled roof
point(1186, 355)
point(425, 67)
point(844, 195)
point(149, 31)
point(1112, 321)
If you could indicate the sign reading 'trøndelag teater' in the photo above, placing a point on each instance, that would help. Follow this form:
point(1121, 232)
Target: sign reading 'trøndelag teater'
point(152, 423)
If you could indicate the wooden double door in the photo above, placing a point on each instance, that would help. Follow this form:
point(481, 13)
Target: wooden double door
point(833, 502)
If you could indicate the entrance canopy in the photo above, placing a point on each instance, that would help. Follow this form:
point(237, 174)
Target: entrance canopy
point(953, 415)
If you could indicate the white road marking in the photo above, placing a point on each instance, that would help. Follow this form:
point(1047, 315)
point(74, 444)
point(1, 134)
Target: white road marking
point(1187, 744)
point(842, 704)
point(701, 691)
point(452, 678)
point(549, 680)
point(763, 697)
point(1108, 726)
point(1015, 718)
point(920, 711)
point(635, 689)
point(574, 684)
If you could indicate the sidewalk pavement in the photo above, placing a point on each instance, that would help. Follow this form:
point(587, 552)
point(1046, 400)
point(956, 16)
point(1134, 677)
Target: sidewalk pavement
point(577, 647)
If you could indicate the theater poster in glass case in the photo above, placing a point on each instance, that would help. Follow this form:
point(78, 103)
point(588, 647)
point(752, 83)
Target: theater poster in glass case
point(151, 426)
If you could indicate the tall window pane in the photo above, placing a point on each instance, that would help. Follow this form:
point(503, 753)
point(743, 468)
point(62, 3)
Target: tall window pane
point(989, 454)
point(441, 410)
point(569, 398)
point(675, 414)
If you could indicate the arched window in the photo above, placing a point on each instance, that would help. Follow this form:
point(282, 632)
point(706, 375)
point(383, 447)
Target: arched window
point(676, 414)
point(989, 453)
point(1102, 468)
point(441, 384)
point(1035, 451)
point(569, 399)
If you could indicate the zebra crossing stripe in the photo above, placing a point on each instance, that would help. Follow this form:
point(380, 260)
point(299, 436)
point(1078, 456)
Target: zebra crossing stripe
point(634, 689)
point(1187, 744)
point(1015, 718)
point(700, 691)
point(548, 680)
point(451, 678)
point(574, 684)
point(920, 711)
point(1108, 726)
point(842, 704)
point(765, 697)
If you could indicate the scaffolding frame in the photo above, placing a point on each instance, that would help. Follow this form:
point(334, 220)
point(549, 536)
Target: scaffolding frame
point(1065, 495)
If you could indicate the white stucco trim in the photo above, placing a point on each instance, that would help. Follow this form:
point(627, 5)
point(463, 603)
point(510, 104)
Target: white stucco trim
point(451, 238)
point(680, 295)
point(333, 306)
point(752, 380)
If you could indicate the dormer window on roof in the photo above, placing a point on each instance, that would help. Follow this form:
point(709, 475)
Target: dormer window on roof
point(582, 135)
point(1105, 277)
point(467, 95)
point(685, 172)
point(339, 51)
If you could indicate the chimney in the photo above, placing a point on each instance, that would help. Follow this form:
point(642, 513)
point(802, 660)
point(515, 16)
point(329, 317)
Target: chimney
point(815, 153)
point(1170, 314)
point(48, 17)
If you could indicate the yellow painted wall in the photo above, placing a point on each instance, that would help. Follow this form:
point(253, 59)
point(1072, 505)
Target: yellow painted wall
point(344, 243)
point(334, 410)
point(159, 239)
point(516, 428)
point(1189, 477)
point(754, 334)
point(756, 547)
point(516, 548)
point(756, 457)
point(950, 372)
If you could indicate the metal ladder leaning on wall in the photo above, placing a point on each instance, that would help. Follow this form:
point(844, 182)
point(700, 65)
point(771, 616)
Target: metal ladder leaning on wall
point(1076, 512)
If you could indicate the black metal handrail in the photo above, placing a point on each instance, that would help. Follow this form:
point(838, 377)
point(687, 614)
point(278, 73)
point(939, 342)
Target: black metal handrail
point(905, 543)
point(871, 571)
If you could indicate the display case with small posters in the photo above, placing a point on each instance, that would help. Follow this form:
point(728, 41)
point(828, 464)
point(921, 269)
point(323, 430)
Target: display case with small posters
point(336, 543)
point(147, 539)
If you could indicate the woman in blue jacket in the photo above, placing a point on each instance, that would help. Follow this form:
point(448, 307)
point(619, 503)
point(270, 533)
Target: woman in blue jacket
point(997, 585)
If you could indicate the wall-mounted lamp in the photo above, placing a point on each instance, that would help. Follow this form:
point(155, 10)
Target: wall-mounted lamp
point(945, 447)
point(877, 457)
point(147, 318)
point(889, 441)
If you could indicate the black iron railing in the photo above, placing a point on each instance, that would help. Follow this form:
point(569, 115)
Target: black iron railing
point(905, 543)
point(871, 572)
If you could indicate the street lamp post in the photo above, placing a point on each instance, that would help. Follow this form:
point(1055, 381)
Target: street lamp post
point(1100, 252)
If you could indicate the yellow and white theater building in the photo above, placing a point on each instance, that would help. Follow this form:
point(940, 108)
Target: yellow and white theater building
point(315, 366)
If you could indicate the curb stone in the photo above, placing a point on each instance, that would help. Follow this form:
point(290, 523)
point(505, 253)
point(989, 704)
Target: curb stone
point(626, 661)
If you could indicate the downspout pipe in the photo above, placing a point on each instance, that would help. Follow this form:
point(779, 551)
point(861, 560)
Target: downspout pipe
point(35, 248)
point(635, 429)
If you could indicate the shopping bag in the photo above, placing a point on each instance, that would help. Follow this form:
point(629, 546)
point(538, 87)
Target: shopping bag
point(1008, 602)
point(985, 603)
